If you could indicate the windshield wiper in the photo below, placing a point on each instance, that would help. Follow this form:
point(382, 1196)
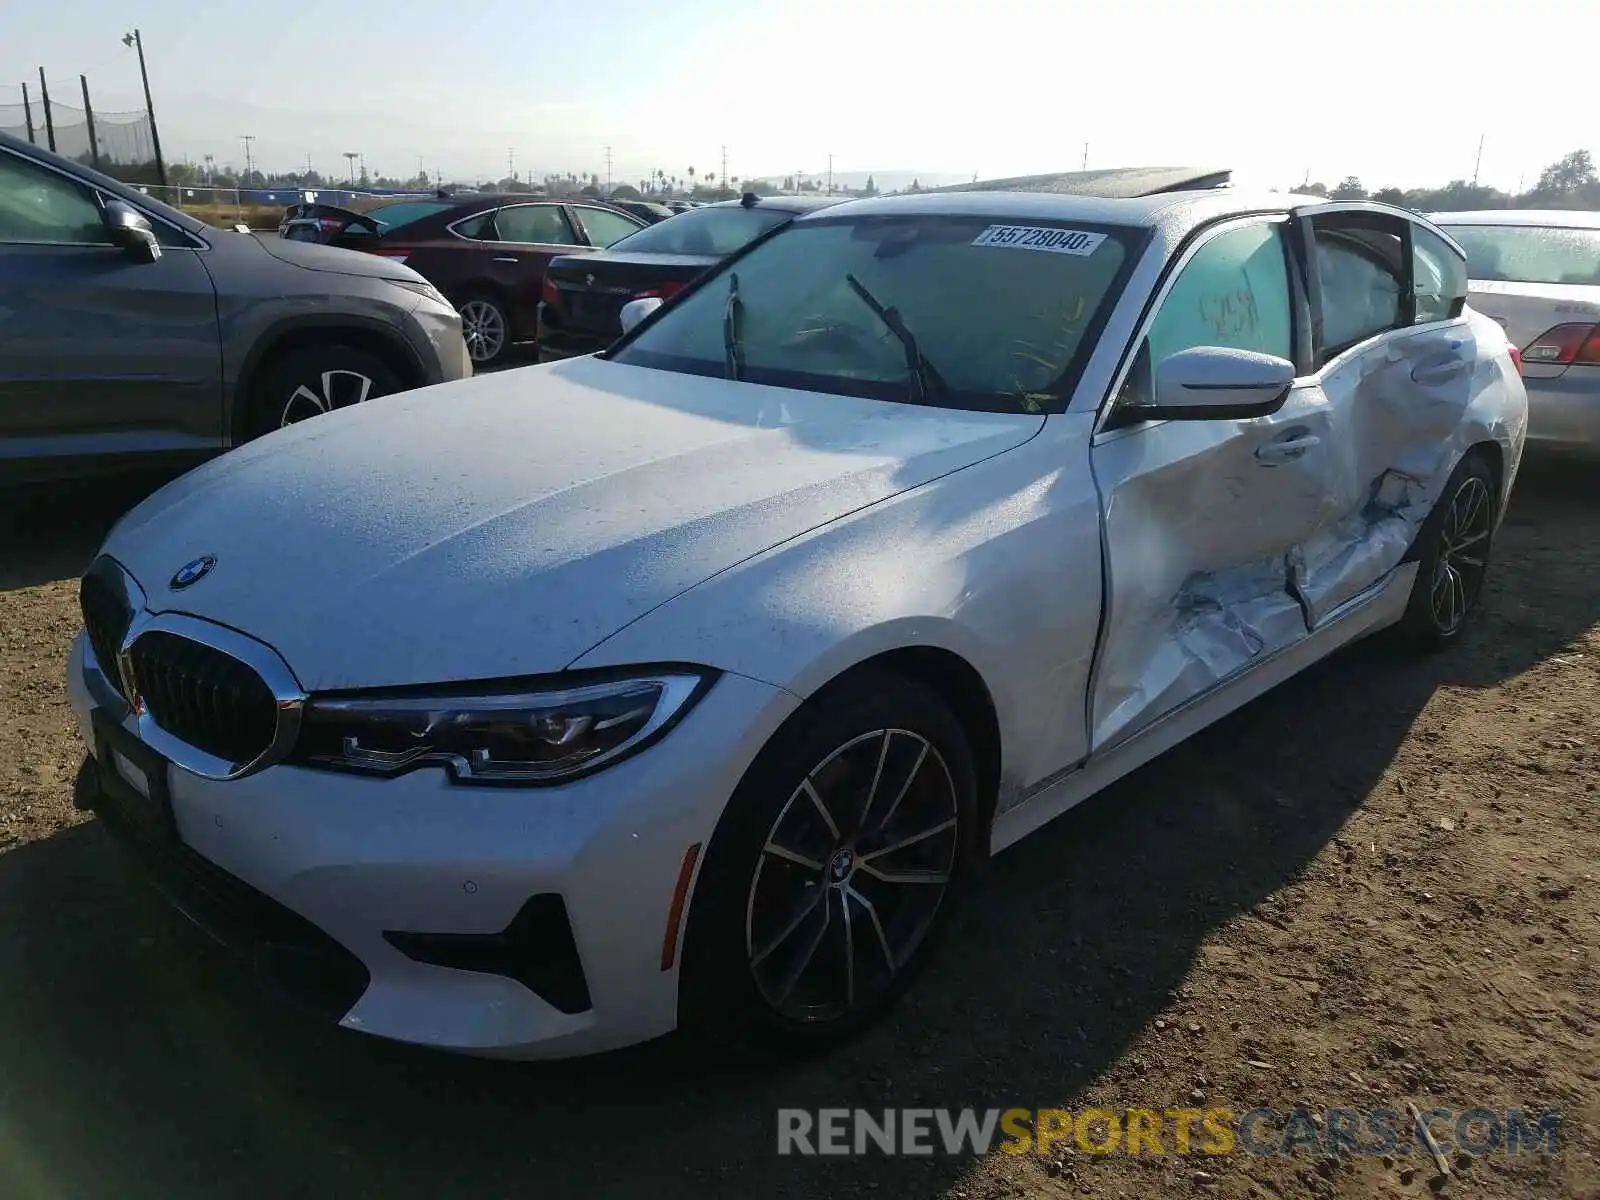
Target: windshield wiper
point(924, 376)
point(730, 329)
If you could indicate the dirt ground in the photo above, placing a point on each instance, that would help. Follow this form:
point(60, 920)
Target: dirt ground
point(1376, 885)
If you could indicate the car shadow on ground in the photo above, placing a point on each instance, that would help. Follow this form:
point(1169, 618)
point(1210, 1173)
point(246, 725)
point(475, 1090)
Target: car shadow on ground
point(138, 1063)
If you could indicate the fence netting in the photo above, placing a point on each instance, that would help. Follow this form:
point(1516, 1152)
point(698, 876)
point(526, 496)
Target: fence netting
point(121, 137)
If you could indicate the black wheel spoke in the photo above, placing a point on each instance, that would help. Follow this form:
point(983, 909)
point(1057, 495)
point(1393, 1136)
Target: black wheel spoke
point(873, 829)
point(1457, 574)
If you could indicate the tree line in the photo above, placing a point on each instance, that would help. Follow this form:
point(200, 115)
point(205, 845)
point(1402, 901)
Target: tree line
point(1569, 182)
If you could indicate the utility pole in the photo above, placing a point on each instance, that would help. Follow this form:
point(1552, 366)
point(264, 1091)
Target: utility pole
point(724, 166)
point(350, 157)
point(1479, 163)
point(88, 115)
point(133, 39)
point(49, 119)
point(830, 174)
point(1086, 156)
point(249, 161)
point(511, 162)
point(27, 110)
point(608, 168)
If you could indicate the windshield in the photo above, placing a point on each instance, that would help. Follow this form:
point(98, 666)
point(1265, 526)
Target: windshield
point(1526, 254)
point(392, 216)
point(998, 316)
point(708, 231)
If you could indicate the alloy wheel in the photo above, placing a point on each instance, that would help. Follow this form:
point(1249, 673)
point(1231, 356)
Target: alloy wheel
point(851, 876)
point(484, 327)
point(331, 390)
point(1463, 554)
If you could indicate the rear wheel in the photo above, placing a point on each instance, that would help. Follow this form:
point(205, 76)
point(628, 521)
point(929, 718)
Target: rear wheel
point(1453, 560)
point(832, 868)
point(311, 380)
point(486, 327)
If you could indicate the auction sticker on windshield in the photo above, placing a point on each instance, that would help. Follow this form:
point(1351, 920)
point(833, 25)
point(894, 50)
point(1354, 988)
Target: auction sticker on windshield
point(1031, 237)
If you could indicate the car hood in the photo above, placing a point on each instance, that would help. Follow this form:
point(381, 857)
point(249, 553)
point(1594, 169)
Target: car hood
point(506, 524)
point(316, 257)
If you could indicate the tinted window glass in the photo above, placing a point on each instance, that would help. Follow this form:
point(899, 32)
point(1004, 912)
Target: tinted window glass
point(539, 224)
point(605, 228)
point(1519, 254)
point(1440, 277)
point(1361, 288)
point(999, 310)
point(714, 232)
point(40, 206)
point(392, 216)
point(475, 227)
point(1233, 292)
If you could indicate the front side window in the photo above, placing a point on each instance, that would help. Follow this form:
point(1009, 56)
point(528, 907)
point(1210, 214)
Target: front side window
point(711, 232)
point(1439, 275)
point(1527, 254)
point(534, 224)
point(605, 227)
point(40, 206)
point(1233, 292)
point(954, 311)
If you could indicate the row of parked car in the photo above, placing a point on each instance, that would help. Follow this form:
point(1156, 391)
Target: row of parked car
point(205, 338)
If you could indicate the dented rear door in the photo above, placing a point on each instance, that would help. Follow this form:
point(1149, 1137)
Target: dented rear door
point(1203, 520)
point(1396, 357)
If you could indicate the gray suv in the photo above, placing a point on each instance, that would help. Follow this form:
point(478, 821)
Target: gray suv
point(133, 335)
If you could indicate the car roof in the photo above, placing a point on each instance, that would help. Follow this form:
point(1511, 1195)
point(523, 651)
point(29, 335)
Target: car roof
point(1112, 182)
point(1546, 217)
point(1165, 208)
point(794, 204)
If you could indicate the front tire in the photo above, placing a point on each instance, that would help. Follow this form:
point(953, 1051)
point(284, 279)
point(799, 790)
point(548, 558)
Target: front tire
point(1453, 558)
point(832, 868)
point(311, 380)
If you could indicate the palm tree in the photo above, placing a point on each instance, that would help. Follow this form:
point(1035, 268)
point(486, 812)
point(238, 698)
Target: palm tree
point(691, 178)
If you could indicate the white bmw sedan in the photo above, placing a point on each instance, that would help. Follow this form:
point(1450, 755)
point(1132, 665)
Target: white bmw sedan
point(681, 684)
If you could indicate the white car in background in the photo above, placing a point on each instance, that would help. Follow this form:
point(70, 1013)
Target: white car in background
point(1537, 272)
point(680, 684)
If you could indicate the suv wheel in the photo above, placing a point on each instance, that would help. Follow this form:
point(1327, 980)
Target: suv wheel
point(312, 380)
point(485, 326)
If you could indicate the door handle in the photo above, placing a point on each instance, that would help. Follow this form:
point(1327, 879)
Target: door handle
point(505, 260)
point(1286, 449)
point(1439, 372)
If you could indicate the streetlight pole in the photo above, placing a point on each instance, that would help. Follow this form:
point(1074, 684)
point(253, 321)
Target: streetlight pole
point(133, 39)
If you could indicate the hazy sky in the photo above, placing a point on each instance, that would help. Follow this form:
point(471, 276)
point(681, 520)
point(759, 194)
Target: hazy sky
point(1395, 91)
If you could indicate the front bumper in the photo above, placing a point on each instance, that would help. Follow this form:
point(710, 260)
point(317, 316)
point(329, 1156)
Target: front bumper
point(435, 335)
point(556, 343)
point(1565, 411)
point(318, 872)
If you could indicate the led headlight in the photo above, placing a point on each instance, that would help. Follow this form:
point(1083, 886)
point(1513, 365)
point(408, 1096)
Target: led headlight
point(423, 288)
point(526, 734)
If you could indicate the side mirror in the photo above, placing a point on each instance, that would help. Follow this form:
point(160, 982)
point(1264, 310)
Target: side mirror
point(635, 311)
point(132, 231)
point(1209, 383)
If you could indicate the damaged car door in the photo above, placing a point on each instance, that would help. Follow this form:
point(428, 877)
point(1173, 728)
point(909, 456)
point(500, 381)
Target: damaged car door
point(1204, 515)
point(1395, 356)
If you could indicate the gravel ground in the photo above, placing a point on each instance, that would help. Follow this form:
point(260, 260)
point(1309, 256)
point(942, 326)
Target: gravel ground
point(1376, 885)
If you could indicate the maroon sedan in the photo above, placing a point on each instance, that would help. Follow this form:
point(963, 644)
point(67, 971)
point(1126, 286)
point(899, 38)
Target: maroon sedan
point(486, 252)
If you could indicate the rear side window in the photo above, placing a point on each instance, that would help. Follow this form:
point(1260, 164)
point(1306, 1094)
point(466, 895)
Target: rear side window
point(711, 232)
point(474, 227)
point(1233, 292)
point(535, 224)
point(604, 227)
point(1524, 254)
point(1361, 290)
point(1439, 277)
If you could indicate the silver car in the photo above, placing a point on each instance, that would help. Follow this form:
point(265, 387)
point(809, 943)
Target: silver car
point(133, 335)
point(1537, 272)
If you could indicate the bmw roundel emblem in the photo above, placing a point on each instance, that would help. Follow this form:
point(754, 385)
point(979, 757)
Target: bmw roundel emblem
point(193, 572)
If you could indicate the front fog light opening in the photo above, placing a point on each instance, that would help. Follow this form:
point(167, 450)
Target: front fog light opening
point(510, 734)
